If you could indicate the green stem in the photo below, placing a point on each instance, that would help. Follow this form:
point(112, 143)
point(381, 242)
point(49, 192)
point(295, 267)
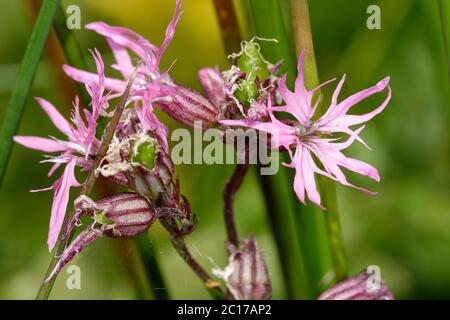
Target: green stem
point(146, 252)
point(25, 77)
point(304, 41)
point(282, 220)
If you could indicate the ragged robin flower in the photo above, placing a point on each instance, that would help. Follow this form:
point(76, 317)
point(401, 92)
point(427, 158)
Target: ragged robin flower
point(79, 149)
point(183, 104)
point(305, 138)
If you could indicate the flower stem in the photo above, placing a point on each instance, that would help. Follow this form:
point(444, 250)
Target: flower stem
point(46, 286)
point(303, 41)
point(228, 23)
point(229, 194)
point(25, 77)
point(177, 239)
point(277, 197)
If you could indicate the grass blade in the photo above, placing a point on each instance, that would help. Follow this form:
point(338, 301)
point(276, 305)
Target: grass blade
point(304, 41)
point(152, 270)
point(25, 77)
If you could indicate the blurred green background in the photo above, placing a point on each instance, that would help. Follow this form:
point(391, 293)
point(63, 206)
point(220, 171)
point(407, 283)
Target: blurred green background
point(404, 229)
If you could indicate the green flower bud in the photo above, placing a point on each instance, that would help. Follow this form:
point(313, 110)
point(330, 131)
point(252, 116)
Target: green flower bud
point(145, 154)
point(247, 91)
point(252, 62)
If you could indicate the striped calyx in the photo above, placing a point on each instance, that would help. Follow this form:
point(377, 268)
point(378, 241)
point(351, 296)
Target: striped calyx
point(364, 286)
point(128, 214)
point(246, 275)
point(122, 215)
point(150, 183)
point(187, 106)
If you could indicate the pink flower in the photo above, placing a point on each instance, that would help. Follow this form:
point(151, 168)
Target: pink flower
point(182, 104)
point(121, 40)
point(79, 149)
point(315, 137)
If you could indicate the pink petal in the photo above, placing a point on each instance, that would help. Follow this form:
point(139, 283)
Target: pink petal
point(299, 182)
point(308, 169)
point(296, 102)
point(123, 60)
point(54, 167)
point(59, 121)
point(351, 120)
point(170, 31)
point(304, 176)
point(337, 116)
point(360, 167)
point(213, 85)
point(60, 200)
point(332, 158)
point(38, 143)
point(88, 77)
point(128, 39)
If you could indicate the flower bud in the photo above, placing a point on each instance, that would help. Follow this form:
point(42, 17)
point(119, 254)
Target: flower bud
point(125, 215)
point(150, 183)
point(137, 158)
point(252, 62)
point(121, 215)
point(246, 274)
point(186, 106)
point(364, 286)
point(145, 154)
point(213, 85)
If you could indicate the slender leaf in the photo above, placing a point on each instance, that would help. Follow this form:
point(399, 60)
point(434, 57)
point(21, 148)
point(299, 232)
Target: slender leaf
point(24, 81)
point(151, 267)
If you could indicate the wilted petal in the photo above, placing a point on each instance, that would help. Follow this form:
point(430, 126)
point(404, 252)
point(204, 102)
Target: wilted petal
point(85, 238)
point(121, 215)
